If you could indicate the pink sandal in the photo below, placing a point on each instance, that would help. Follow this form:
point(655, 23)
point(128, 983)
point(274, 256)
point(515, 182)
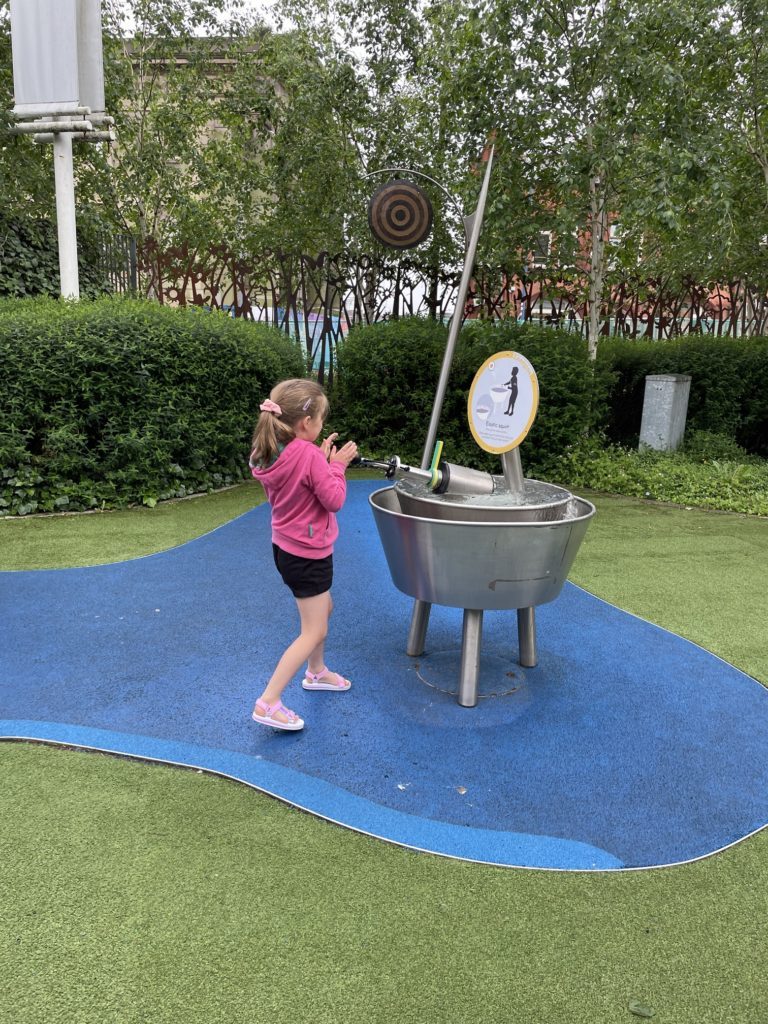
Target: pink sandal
point(292, 723)
point(312, 681)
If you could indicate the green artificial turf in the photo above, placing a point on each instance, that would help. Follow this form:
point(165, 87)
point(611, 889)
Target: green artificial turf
point(137, 894)
point(134, 893)
point(698, 573)
point(43, 542)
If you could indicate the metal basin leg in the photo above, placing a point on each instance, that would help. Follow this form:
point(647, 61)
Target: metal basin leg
point(526, 637)
point(417, 634)
point(471, 638)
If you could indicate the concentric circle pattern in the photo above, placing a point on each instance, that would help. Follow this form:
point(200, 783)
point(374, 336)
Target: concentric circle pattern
point(400, 214)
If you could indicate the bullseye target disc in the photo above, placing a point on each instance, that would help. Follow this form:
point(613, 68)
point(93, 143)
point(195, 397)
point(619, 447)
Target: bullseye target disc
point(400, 214)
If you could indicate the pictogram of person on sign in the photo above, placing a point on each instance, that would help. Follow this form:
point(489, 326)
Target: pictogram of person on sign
point(512, 385)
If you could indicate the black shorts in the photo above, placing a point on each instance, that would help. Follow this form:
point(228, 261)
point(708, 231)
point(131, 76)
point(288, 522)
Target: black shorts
point(305, 577)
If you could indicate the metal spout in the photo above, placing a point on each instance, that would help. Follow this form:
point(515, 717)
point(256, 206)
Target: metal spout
point(448, 478)
point(460, 480)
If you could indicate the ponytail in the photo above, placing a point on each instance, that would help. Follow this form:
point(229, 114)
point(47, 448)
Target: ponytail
point(295, 399)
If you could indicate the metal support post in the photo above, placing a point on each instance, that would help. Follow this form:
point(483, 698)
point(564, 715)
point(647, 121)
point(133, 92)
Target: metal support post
point(65, 215)
point(472, 225)
point(526, 637)
point(417, 634)
point(471, 640)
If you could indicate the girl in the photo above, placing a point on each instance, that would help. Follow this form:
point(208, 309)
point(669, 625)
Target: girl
point(305, 485)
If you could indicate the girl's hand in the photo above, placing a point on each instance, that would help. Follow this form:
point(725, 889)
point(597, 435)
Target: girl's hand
point(327, 445)
point(344, 454)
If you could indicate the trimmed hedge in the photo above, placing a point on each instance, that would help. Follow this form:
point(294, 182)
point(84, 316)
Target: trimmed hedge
point(728, 395)
point(112, 402)
point(385, 384)
point(388, 374)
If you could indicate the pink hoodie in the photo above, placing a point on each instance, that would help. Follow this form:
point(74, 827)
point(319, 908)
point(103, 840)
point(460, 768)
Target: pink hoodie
point(304, 490)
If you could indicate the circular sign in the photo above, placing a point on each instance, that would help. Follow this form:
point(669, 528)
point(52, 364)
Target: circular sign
point(400, 214)
point(502, 402)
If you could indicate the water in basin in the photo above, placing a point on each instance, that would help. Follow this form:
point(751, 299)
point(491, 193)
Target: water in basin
point(535, 493)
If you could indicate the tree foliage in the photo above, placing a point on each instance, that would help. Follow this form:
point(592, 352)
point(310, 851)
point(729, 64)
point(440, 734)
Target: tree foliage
point(646, 116)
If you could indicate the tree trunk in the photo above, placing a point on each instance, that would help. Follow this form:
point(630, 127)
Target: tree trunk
point(597, 227)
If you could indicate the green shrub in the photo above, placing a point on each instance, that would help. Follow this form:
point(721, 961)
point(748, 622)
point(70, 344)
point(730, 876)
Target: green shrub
point(678, 477)
point(704, 446)
point(728, 393)
point(29, 257)
point(388, 375)
point(111, 402)
point(573, 391)
point(385, 385)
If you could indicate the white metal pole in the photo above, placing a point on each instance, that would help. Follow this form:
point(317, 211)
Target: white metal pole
point(65, 214)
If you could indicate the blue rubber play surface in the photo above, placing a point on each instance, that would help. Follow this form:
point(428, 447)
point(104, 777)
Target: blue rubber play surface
point(627, 746)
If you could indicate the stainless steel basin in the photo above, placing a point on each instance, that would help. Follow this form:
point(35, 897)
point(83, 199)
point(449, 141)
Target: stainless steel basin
point(465, 563)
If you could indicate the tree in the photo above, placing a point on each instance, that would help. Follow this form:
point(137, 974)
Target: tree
point(227, 132)
point(163, 77)
point(396, 57)
point(565, 87)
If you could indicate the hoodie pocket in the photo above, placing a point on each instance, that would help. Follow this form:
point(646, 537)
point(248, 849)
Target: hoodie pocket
point(319, 530)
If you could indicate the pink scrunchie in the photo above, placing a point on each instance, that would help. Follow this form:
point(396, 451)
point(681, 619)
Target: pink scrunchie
point(270, 406)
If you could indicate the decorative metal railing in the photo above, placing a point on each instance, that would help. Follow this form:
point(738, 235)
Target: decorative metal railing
point(118, 262)
point(317, 299)
point(632, 308)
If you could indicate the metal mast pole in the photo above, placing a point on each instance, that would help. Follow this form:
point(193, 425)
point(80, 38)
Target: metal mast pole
point(472, 225)
point(417, 631)
point(65, 214)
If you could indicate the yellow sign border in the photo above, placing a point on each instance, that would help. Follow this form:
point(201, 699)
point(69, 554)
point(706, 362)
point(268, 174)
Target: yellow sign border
point(534, 405)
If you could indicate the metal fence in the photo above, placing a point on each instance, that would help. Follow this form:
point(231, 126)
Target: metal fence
point(630, 308)
point(119, 263)
point(317, 299)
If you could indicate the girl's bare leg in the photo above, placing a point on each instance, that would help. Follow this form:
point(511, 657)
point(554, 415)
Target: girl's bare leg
point(314, 612)
point(316, 659)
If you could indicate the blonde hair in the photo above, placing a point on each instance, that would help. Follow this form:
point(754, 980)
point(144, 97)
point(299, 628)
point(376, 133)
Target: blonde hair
point(297, 398)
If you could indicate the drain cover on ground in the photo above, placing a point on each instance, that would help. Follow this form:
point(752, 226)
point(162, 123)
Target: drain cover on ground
point(499, 677)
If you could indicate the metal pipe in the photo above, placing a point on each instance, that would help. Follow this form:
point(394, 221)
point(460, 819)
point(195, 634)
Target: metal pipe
point(449, 478)
point(526, 637)
point(454, 479)
point(471, 640)
point(512, 468)
point(57, 127)
point(25, 110)
point(417, 634)
point(472, 225)
point(65, 215)
point(45, 138)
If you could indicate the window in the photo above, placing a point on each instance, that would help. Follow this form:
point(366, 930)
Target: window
point(542, 249)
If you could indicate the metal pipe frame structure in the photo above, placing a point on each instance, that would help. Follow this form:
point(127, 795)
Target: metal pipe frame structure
point(60, 130)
